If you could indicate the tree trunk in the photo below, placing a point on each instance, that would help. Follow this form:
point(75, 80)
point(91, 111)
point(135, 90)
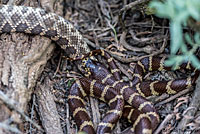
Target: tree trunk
point(22, 59)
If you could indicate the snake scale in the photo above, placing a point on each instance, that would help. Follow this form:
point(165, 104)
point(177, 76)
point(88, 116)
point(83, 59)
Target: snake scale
point(37, 21)
point(99, 83)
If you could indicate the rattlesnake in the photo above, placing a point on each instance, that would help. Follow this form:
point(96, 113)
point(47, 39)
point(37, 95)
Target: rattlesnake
point(38, 21)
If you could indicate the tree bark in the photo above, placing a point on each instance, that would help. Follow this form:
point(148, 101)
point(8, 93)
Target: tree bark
point(22, 59)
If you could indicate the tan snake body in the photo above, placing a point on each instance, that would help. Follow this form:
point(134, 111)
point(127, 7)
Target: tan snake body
point(37, 21)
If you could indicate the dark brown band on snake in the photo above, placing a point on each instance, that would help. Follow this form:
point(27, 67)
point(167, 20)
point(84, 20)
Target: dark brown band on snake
point(135, 95)
point(38, 22)
point(83, 87)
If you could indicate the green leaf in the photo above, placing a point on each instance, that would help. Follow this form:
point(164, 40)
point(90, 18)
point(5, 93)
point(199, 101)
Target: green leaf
point(197, 38)
point(195, 62)
point(178, 12)
point(70, 82)
point(188, 39)
point(171, 61)
point(162, 10)
point(176, 37)
point(193, 13)
point(193, 8)
point(184, 48)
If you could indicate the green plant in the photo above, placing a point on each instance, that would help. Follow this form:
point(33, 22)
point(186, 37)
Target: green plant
point(179, 12)
point(70, 82)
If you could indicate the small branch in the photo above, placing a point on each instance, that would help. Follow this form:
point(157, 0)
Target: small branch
point(123, 42)
point(9, 128)
point(195, 102)
point(164, 123)
point(95, 111)
point(174, 96)
point(136, 58)
point(132, 4)
point(47, 108)
point(12, 104)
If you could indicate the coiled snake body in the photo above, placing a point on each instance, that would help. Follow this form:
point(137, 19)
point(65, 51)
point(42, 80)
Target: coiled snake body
point(38, 21)
point(100, 82)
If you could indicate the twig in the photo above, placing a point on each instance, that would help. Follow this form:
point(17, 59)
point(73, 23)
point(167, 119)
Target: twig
point(89, 43)
point(32, 110)
point(105, 9)
point(141, 40)
point(136, 49)
point(132, 4)
point(174, 96)
point(124, 70)
point(195, 102)
point(12, 104)
point(10, 128)
point(95, 111)
point(136, 58)
point(47, 108)
point(11, 2)
point(98, 12)
point(68, 122)
point(164, 123)
point(58, 66)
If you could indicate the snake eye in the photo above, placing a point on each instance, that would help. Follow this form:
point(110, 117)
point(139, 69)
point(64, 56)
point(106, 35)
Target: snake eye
point(84, 62)
point(88, 64)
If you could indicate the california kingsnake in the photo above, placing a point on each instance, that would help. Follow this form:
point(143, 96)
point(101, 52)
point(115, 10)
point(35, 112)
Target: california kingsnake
point(101, 82)
point(139, 111)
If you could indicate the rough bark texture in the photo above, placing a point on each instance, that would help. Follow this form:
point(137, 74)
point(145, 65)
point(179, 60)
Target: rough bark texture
point(47, 109)
point(22, 59)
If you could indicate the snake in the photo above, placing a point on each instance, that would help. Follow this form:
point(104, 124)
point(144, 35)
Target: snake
point(124, 99)
point(137, 109)
point(37, 21)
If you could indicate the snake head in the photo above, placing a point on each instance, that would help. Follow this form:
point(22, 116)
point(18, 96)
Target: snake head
point(88, 65)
